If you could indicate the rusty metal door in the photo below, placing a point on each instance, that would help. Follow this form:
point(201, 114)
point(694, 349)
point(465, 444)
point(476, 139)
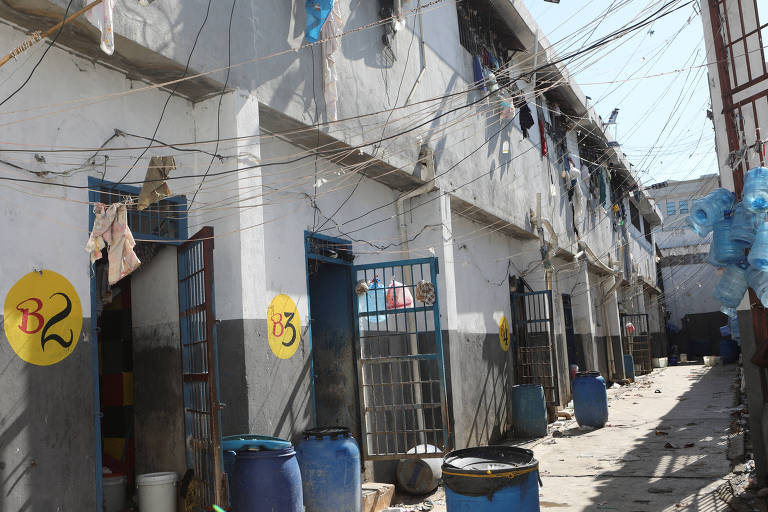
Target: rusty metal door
point(401, 374)
point(202, 415)
point(638, 343)
point(533, 331)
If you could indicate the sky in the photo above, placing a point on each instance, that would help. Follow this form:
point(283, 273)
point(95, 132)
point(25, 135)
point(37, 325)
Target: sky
point(662, 124)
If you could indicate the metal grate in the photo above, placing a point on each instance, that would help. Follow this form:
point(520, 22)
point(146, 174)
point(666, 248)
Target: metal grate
point(401, 375)
point(534, 332)
point(164, 220)
point(199, 367)
point(639, 343)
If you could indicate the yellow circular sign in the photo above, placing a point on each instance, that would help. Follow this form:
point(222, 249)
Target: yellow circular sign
point(284, 324)
point(504, 335)
point(43, 318)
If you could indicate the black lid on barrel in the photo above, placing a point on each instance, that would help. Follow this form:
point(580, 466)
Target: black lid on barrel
point(484, 470)
point(331, 432)
point(588, 373)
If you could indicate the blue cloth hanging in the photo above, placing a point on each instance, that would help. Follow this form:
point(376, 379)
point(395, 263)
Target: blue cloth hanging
point(317, 13)
point(477, 69)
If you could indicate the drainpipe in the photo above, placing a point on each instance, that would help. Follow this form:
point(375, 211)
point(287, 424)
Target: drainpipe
point(423, 52)
point(411, 319)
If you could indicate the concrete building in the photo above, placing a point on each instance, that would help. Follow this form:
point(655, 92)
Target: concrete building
point(692, 311)
point(735, 34)
point(291, 188)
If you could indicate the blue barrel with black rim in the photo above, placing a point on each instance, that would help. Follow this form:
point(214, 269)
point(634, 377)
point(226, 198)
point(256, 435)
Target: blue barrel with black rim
point(491, 479)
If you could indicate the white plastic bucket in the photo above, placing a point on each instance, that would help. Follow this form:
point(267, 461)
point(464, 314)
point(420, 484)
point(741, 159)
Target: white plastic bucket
point(683, 358)
point(660, 362)
point(114, 492)
point(711, 360)
point(157, 492)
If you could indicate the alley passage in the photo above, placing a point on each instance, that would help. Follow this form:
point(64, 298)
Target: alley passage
point(664, 447)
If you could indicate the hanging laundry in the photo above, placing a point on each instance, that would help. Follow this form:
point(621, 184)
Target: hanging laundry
point(485, 57)
point(494, 62)
point(155, 187)
point(490, 81)
point(526, 119)
point(542, 136)
point(603, 187)
point(101, 17)
point(317, 13)
point(110, 228)
point(331, 33)
point(477, 70)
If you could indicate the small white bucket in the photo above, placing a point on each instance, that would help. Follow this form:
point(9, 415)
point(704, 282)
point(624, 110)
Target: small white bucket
point(683, 358)
point(114, 492)
point(711, 360)
point(157, 492)
point(660, 362)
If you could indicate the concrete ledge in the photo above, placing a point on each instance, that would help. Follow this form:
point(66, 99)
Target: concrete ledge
point(377, 497)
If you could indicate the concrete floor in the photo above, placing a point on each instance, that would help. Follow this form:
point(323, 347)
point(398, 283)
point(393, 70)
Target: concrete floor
point(625, 465)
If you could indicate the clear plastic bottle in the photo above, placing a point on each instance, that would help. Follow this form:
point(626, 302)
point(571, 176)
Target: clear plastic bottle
point(755, 192)
point(707, 210)
point(744, 227)
point(725, 250)
point(702, 231)
point(758, 254)
point(731, 288)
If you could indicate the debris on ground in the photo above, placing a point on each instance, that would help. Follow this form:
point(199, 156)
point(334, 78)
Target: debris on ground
point(670, 446)
point(564, 414)
point(661, 433)
point(657, 391)
point(690, 445)
point(660, 490)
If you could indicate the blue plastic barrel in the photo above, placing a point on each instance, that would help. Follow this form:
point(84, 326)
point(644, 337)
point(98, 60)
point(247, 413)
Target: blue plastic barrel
point(266, 481)
point(729, 352)
point(330, 470)
point(491, 479)
point(629, 366)
point(590, 399)
point(528, 411)
point(229, 466)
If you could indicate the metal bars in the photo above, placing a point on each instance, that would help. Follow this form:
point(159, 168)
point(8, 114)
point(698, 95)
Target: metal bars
point(533, 330)
point(199, 367)
point(638, 343)
point(401, 374)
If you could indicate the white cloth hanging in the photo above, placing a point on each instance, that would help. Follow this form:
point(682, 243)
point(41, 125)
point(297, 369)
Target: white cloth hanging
point(101, 17)
point(330, 33)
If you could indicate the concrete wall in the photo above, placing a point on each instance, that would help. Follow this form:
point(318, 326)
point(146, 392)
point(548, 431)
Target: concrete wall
point(48, 457)
point(688, 290)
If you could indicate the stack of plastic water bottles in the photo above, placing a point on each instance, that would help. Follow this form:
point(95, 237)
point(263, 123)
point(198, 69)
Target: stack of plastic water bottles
point(735, 228)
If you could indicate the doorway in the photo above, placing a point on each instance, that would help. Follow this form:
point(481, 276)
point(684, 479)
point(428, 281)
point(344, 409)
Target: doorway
point(154, 364)
point(570, 335)
point(329, 277)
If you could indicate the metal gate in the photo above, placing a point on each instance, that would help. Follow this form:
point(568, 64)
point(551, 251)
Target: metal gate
point(202, 415)
point(399, 348)
point(534, 333)
point(638, 343)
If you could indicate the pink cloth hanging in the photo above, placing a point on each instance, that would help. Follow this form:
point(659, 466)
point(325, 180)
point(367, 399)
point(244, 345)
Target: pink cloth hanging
point(110, 228)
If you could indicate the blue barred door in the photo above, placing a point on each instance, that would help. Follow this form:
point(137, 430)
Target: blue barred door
point(399, 352)
point(202, 415)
